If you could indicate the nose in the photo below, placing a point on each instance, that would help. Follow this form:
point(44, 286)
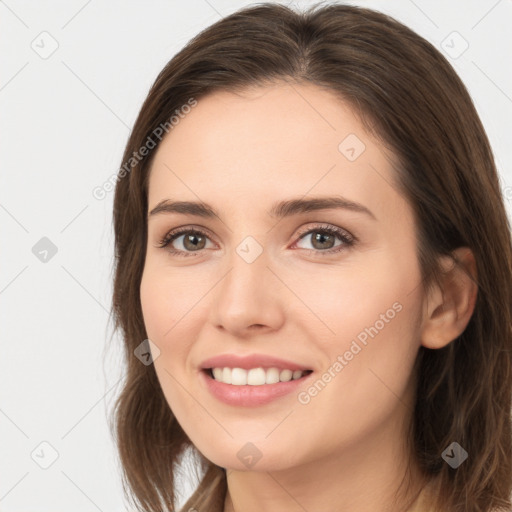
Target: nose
point(249, 298)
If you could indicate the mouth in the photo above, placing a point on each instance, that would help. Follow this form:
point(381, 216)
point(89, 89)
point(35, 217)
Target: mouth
point(259, 376)
point(253, 386)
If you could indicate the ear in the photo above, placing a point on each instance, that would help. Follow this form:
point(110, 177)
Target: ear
point(448, 308)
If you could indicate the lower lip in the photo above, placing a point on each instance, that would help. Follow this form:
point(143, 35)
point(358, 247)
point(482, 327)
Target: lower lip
point(250, 396)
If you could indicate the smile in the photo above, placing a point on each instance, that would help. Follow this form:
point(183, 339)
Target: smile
point(247, 388)
point(255, 376)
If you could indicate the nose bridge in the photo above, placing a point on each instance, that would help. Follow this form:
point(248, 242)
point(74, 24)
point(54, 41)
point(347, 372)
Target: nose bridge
point(247, 294)
point(248, 259)
point(248, 273)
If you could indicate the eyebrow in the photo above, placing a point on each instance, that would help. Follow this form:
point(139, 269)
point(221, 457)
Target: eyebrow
point(278, 210)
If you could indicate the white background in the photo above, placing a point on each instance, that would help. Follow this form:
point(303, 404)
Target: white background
point(64, 123)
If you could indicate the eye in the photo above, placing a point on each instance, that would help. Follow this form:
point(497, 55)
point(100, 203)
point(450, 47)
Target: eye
point(323, 239)
point(194, 240)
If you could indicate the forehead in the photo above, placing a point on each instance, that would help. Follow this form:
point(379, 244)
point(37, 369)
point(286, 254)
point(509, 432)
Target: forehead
point(265, 143)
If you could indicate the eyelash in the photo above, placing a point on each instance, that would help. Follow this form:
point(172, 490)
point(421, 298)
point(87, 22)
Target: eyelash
point(347, 239)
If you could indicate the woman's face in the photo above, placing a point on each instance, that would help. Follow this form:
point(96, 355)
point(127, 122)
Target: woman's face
point(264, 278)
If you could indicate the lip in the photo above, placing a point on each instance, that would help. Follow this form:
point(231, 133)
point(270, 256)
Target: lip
point(249, 396)
point(250, 361)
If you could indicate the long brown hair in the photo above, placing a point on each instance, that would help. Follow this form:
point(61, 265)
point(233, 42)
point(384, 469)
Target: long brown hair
point(406, 94)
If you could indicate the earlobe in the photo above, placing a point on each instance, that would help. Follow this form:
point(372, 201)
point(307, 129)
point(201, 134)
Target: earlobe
point(449, 308)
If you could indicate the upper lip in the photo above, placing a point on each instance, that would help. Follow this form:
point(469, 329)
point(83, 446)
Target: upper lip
point(250, 361)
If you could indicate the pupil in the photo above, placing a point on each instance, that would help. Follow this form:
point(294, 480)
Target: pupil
point(190, 240)
point(320, 237)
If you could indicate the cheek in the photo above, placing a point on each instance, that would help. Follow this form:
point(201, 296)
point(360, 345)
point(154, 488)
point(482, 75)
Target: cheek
point(341, 302)
point(368, 359)
point(155, 303)
point(167, 297)
point(173, 314)
point(163, 305)
point(368, 316)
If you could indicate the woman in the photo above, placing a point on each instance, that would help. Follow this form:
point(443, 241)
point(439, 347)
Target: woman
point(313, 275)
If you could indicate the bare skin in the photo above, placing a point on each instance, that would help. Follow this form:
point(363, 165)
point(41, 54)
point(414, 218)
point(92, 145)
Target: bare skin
point(343, 447)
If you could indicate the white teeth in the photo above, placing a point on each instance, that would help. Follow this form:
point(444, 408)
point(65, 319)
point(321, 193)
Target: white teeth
point(218, 373)
point(226, 375)
point(254, 376)
point(272, 376)
point(285, 375)
point(238, 376)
